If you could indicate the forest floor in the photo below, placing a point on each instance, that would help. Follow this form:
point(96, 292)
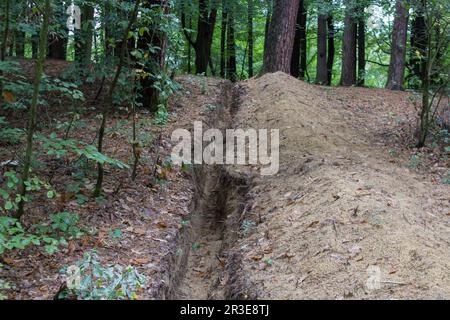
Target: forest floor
point(354, 212)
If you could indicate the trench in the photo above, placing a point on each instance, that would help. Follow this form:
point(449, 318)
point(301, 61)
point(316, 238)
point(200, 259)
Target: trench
point(203, 268)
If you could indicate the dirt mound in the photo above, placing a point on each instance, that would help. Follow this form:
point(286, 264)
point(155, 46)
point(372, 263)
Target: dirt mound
point(340, 219)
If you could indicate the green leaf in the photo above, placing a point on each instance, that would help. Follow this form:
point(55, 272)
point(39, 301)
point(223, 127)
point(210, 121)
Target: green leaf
point(9, 205)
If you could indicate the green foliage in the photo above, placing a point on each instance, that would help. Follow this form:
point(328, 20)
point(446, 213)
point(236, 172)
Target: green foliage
point(59, 147)
point(62, 227)
point(415, 161)
point(99, 282)
point(3, 286)
point(13, 236)
point(10, 195)
point(9, 136)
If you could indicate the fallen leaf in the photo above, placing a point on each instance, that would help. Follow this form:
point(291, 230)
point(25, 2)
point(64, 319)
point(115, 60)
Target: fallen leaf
point(8, 96)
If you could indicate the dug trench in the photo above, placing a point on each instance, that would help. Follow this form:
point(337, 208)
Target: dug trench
point(340, 220)
point(201, 267)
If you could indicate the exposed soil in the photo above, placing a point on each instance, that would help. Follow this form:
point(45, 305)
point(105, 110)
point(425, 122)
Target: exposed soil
point(340, 202)
point(346, 198)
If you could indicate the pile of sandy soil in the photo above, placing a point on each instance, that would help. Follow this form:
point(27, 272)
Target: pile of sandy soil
point(341, 219)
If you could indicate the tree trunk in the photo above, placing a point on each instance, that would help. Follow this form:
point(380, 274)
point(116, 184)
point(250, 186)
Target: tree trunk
point(205, 30)
point(250, 37)
point(280, 38)
point(348, 74)
point(189, 48)
point(268, 18)
point(418, 45)
point(33, 107)
point(303, 42)
point(149, 97)
point(396, 76)
point(331, 50)
point(361, 47)
point(88, 13)
point(299, 50)
point(57, 48)
point(321, 74)
point(5, 30)
point(231, 48)
point(223, 39)
point(57, 43)
point(20, 44)
point(109, 97)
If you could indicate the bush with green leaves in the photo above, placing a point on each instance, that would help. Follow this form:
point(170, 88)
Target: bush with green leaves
point(60, 147)
point(9, 136)
point(63, 226)
point(13, 235)
point(9, 192)
point(103, 282)
point(3, 286)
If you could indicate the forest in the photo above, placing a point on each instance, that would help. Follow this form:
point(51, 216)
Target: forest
point(94, 206)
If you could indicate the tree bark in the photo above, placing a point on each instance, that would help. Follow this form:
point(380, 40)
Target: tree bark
point(231, 48)
point(20, 44)
point(331, 50)
point(57, 43)
point(321, 69)
point(418, 45)
point(89, 33)
point(298, 60)
point(250, 37)
point(361, 47)
point(267, 24)
point(33, 108)
point(149, 96)
point(396, 76)
point(348, 73)
point(280, 37)
point(205, 30)
point(5, 33)
point(223, 39)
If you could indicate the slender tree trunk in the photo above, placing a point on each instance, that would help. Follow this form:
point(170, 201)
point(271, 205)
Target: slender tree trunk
point(396, 76)
point(4, 44)
point(268, 19)
point(33, 108)
point(57, 44)
point(303, 40)
point(348, 73)
point(223, 39)
point(331, 50)
point(107, 30)
point(20, 44)
point(34, 45)
point(418, 45)
point(205, 30)
point(109, 98)
point(321, 74)
point(250, 38)
point(231, 48)
point(89, 33)
point(425, 118)
point(361, 47)
point(299, 40)
point(280, 38)
point(189, 48)
point(5, 34)
point(149, 96)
